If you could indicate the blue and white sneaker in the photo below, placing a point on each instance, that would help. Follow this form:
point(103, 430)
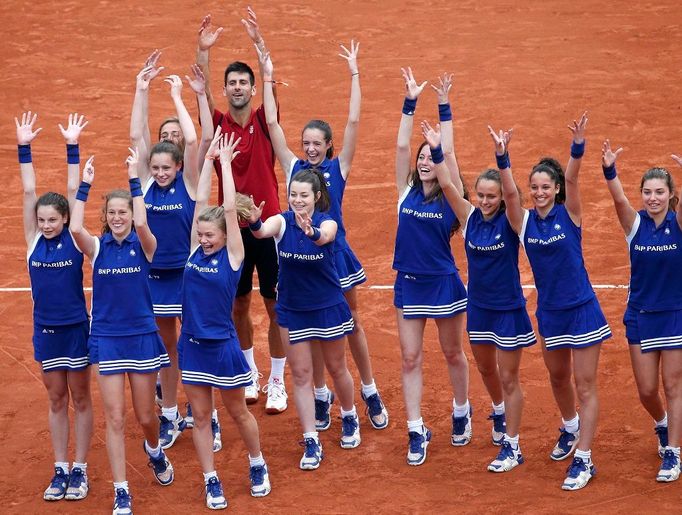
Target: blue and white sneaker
point(170, 430)
point(313, 454)
point(122, 502)
point(189, 418)
point(78, 485)
point(565, 445)
point(58, 485)
point(217, 435)
point(215, 499)
point(376, 411)
point(163, 470)
point(416, 450)
point(260, 481)
point(350, 432)
point(499, 427)
point(578, 474)
point(323, 409)
point(507, 459)
point(662, 434)
point(670, 468)
point(461, 429)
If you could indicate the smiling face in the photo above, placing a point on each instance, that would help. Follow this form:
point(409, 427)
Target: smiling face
point(119, 217)
point(210, 236)
point(489, 194)
point(50, 222)
point(543, 190)
point(238, 89)
point(163, 168)
point(425, 164)
point(655, 196)
point(302, 198)
point(314, 145)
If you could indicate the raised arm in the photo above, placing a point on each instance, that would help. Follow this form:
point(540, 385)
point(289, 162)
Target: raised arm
point(573, 204)
point(234, 243)
point(279, 142)
point(190, 172)
point(350, 135)
point(402, 153)
point(71, 134)
point(510, 193)
point(207, 38)
point(447, 129)
point(626, 214)
point(198, 84)
point(144, 233)
point(678, 160)
point(268, 229)
point(457, 202)
point(253, 31)
point(204, 185)
point(25, 135)
point(84, 240)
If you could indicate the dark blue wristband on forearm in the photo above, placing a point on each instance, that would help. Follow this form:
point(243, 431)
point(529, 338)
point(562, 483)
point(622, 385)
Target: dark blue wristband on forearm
point(24, 153)
point(83, 190)
point(609, 172)
point(255, 226)
point(503, 161)
point(73, 156)
point(577, 150)
point(437, 155)
point(409, 106)
point(444, 112)
point(135, 187)
point(315, 235)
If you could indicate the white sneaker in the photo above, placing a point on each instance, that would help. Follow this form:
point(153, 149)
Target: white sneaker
point(579, 474)
point(251, 392)
point(277, 397)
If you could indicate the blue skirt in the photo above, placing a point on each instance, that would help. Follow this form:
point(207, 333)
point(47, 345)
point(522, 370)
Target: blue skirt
point(429, 296)
point(214, 363)
point(320, 324)
point(581, 326)
point(507, 330)
point(349, 269)
point(61, 347)
point(659, 330)
point(166, 289)
point(141, 353)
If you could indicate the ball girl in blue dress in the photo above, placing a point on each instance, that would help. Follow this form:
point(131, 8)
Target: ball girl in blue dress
point(427, 281)
point(60, 319)
point(570, 321)
point(124, 340)
point(318, 148)
point(209, 352)
point(311, 307)
point(497, 321)
point(653, 317)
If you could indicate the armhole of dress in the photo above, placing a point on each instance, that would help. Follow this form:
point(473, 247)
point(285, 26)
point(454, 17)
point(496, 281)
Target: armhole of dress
point(74, 242)
point(95, 253)
point(148, 185)
point(192, 252)
point(289, 172)
point(32, 247)
point(524, 225)
point(283, 227)
point(402, 197)
point(635, 228)
point(466, 222)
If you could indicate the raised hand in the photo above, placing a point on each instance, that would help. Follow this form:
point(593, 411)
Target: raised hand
point(255, 211)
point(264, 61)
point(197, 82)
point(226, 148)
point(175, 84)
point(208, 36)
point(431, 135)
point(443, 89)
point(412, 89)
point(305, 223)
point(578, 128)
point(608, 156)
point(213, 150)
point(89, 170)
point(501, 140)
point(351, 56)
point(132, 161)
point(25, 132)
point(251, 26)
point(73, 129)
point(677, 159)
point(146, 75)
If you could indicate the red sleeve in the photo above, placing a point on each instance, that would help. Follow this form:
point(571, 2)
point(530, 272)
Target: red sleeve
point(217, 118)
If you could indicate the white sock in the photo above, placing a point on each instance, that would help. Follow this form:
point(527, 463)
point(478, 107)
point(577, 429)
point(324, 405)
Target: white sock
point(214, 415)
point(258, 461)
point(170, 413)
point(313, 434)
point(121, 484)
point(585, 455)
point(513, 441)
point(277, 369)
point(322, 394)
point(248, 354)
point(676, 451)
point(209, 475)
point(416, 426)
point(351, 413)
point(154, 453)
point(82, 466)
point(64, 465)
point(663, 422)
point(369, 389)
point(572, 425)
point(461, 411)
point(498, 409)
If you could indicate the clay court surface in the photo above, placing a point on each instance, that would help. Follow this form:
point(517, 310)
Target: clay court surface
point(533, 67)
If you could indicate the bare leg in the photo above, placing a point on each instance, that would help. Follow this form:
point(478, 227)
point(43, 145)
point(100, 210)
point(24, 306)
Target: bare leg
point(450, 336)
point(58, 415)
point(411, 333)
point(112, 390)
point(585, 363)
point(79, 384)
point(558, 363)
point(169, 375)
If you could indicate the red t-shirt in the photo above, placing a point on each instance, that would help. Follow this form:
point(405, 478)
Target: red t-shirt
point(254, 168)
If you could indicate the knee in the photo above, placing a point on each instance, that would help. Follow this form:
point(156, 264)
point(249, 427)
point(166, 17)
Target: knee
point(81, 400)
point(239, 413)
point(411, 361)
point(59, 401)
point(302, 375)
point(586, 389)
point(672, 388)
point(648, 392)
point(454, 355)
point(510, 382)
point(147, 418)
point(560, 378)
point(337, 369)
point(487, 369)
point(116, 422)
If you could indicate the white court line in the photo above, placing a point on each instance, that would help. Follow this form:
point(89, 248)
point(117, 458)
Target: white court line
point(374, 287)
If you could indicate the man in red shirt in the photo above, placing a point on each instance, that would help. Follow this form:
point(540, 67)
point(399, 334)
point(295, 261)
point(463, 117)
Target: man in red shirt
point(254, 174)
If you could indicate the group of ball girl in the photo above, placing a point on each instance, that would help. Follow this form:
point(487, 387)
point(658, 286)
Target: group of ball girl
point(164, 254)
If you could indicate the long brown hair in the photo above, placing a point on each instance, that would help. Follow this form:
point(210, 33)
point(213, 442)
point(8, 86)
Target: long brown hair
point(125, 195)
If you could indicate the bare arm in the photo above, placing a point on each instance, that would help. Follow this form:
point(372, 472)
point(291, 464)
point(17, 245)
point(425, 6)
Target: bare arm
point(204, 185)
point(350, 135)
point(626, 214)
point(234, 243)
point(678, 216)
point(207, 38)
point(84, 240)
point(71, 134)
point(144, 233)
point(573, 204)
point(189, 133)
point(268, 229)
point(25, 135)
point(253, 31)
point(198, 85)
point(510, 192)
point(447, 130)
point(402, 154)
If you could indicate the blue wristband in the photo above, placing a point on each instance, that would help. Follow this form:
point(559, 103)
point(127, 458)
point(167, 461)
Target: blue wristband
point(409, 106)
point(609, 172)
point(255, 226)
point(577, 150)
point(437, 155)
point(316, 234)
point(83, 190)
point(135, 187)
point(503, 161)
point(24, 152)
point(444, 112)
point(73, 156)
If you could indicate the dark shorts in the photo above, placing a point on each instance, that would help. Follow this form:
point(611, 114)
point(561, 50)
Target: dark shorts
point(261, 255)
